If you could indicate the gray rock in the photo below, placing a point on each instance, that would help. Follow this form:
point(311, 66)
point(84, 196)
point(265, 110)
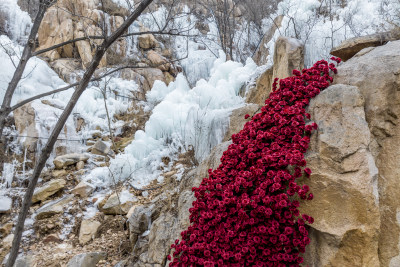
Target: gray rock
point(103, 149)
point(350, 47)
point(87, 259)
point(5, 204)
point(69, 159)
point(53, 207)
point(83, 189)
point(88, 231)
point(119, 204)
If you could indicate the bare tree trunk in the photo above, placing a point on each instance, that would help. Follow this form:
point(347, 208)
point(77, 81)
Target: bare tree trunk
point(26, 55)
point(101, 50)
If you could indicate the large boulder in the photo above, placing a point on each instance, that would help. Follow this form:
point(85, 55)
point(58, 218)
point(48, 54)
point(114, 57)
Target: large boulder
point(47, 190)
point(288, 55)
point(348, 48)
point(103, 149)
point(345, 206)
point(66, 68)
point(376, 74)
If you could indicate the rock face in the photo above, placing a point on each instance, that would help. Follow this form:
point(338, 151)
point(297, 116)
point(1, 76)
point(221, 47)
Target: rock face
point(261, 91)
point(355, 161)
point(48, 189)
point(376, 74)
point(350, 47)
point(158, 61)
point(69, 159)
point(288, 55)
point(63, 22)
point(237, 119)
point(344, 182)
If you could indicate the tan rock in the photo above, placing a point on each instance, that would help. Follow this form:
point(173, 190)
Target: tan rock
point(376, 74)
point(65, 33)
point(65, 68)
point(345, 206)
point(88, 231)
point(89, 259)
point(237, 120)
point(288, 55)
point(48, 189)
point(103, 149)
point(114, 9)
point(151, 75)
point(59, 173)
point(80, 165)
point(69, 159)
point(6, 228)
point(160, 235)
point(130, 212)
point(119, 203)
point(53, 207)
point(263, 88)
point(24, 118)
point(7, 241)
point(83, 189)
point(350, 47)
point(144, 85)
point(158, 61)
point(147, 41)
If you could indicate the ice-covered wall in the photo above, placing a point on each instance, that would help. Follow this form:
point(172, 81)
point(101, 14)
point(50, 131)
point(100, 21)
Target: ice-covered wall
point(16, 23)
point(181, 118)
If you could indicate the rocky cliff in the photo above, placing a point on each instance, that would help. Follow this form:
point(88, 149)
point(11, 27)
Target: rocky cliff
point(354, 156)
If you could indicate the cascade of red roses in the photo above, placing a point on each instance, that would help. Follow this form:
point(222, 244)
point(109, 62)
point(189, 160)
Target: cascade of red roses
point(246, 212)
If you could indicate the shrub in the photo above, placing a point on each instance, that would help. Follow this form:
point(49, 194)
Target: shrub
point(246, 212)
